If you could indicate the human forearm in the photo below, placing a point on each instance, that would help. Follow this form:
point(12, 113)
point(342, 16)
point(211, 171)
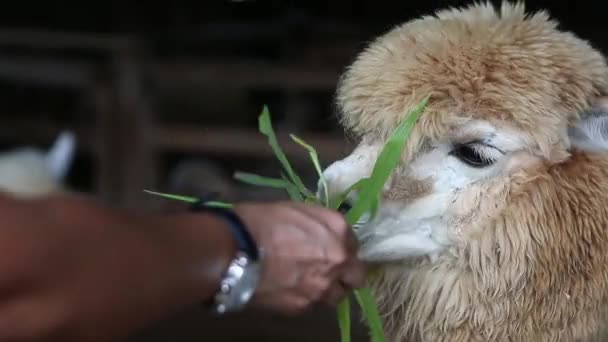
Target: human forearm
point(73, 270)
point(76, 270)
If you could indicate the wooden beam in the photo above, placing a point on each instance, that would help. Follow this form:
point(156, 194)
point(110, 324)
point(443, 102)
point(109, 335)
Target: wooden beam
point(63, 40)
point(244, 74)
point(45, 71)
point(247, 31)
point(246, 142)
point(224, 140)
point(25, 132)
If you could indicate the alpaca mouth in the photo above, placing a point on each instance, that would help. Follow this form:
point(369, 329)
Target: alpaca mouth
point(369, 234)
point(344, 207)
point(391, 238)
point(400, 247)
point(394, 233)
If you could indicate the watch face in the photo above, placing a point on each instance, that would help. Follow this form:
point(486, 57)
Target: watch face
point(240, 284)
point(245, 289)
point(242, 290)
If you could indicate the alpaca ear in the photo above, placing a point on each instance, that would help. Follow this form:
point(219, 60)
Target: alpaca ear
point(60, 156)
point(590, 132)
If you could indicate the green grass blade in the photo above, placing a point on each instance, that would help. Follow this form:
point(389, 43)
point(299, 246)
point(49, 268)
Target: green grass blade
point(174, 197)
point(253, 179)
point(374, 207)
point(265, 127)
point(337, 201)
point(217, 204)
point(343, 311)
point(387, 160)
point(315, 160)
point(292, 190)
point(370, 310)
point(188, 199)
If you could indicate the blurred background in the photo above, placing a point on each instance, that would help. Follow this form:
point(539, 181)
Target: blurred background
point(165, 96)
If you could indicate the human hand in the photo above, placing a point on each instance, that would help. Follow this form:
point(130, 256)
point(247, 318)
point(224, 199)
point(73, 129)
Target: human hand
point(310, 255)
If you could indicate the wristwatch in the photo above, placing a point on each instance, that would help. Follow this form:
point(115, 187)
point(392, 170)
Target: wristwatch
point(241, 277)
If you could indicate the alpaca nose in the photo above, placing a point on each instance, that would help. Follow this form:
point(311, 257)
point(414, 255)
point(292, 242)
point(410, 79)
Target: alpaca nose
point(334, 176)
point(335, 186)
point(345, 207)
point(332, 186)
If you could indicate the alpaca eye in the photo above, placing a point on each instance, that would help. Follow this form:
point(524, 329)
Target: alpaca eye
point(471, 156)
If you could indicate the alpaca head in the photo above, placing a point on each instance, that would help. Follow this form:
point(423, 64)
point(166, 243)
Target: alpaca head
point(505, 87)
point(508, 91)
point(29, 172)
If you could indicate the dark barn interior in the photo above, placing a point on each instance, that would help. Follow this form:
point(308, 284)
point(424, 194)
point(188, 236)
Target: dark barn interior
point(166, 96)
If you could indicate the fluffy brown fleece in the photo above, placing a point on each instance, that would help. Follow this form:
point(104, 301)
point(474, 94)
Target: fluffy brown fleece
point(476, 62)
point(534, 266)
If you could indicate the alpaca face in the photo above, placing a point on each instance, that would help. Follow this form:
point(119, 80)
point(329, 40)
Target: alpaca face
point(427, 203)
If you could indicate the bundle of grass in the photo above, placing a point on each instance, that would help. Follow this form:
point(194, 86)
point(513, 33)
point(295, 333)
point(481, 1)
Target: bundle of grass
point(368, 197)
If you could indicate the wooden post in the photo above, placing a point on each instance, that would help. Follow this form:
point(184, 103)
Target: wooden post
point(136, 132)
point(107, 151)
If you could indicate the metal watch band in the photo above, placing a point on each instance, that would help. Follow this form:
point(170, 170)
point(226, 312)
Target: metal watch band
point(224, 298)
point(235, 288)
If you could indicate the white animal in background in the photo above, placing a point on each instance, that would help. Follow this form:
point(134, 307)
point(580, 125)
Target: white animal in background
point(30, 172)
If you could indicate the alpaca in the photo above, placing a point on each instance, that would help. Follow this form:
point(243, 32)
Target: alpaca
point(29, 172)
point(495, 225)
